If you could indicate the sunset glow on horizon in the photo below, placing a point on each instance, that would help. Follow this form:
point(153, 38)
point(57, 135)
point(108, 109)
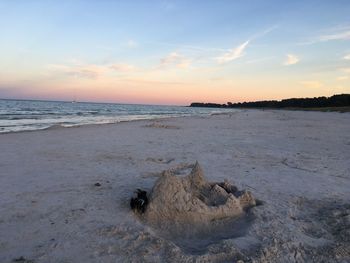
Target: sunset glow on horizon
point(174, 52)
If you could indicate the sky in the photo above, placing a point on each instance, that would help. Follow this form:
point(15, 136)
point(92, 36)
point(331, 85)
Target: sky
point(174, 52)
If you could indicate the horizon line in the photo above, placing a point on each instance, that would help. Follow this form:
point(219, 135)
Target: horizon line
point(149, 104)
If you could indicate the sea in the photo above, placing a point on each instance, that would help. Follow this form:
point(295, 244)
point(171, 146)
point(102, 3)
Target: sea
point(30, 115)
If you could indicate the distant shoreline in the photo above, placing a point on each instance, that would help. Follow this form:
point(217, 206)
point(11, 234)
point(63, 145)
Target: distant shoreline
point(340, 102)
point(320, 109)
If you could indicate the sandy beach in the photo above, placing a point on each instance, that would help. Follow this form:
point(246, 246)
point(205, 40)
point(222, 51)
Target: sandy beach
point(295, 162)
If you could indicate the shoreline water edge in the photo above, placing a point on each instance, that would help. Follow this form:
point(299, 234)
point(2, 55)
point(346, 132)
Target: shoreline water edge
point(26, 115)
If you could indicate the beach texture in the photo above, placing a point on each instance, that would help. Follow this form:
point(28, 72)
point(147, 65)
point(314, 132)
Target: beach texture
point(65, 192)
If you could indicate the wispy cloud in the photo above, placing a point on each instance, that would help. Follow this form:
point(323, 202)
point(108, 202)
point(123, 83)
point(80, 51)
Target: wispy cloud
point(330, 34)
point(346, 70)
point(172, 58)
point(233, 54)
point(237, 52)
point(265, 32)
point(78, 71)
point(123, 67)
point(342, 78)
point(88, 71)
point(208, 53)
point(175, 59)
point(291, 60)
point(336, 36)
point(313, 84)
point(347, 57)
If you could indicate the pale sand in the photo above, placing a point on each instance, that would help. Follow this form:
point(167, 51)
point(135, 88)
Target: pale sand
point(297, 163)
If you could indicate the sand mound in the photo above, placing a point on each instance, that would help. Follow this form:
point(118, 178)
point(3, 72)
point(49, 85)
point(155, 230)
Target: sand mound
point(191, 199)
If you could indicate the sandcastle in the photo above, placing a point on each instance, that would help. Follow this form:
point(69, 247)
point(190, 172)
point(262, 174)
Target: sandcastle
point(192, 199)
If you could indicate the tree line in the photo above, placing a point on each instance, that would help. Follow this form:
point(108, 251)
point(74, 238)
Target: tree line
point(340, 100)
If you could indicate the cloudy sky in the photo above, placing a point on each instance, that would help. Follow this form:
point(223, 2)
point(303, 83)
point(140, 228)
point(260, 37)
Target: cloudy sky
point(174, 52)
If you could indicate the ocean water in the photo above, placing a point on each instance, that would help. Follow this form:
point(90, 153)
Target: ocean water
point(26, 115)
